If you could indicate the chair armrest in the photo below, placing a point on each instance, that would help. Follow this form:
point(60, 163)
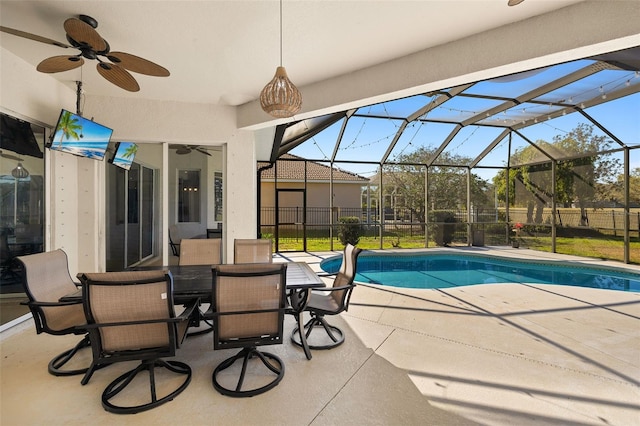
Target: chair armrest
point(209, 314)
point(249, 311)
point(138, 322)
point(52, 304)
point(328, 289)
point(188, 310)
point(182, 317)
point(183, 320)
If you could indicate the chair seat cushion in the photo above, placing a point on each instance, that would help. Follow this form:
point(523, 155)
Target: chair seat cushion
point(321, 303)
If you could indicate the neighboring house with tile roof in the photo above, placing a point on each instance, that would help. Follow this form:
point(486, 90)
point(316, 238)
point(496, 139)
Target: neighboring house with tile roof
point(347, 186)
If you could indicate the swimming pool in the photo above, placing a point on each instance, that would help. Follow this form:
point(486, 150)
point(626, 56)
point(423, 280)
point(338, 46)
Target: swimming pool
point(438, 270)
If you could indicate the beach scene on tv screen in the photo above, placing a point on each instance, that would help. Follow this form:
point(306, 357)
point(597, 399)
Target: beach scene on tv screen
point(79, 136)
point(125, 154)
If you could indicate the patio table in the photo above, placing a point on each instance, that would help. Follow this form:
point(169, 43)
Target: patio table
point(195, 281)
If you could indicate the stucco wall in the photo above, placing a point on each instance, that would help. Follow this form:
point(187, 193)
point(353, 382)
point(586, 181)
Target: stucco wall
point(76, 186)
point(346, 198)
point(346, 195)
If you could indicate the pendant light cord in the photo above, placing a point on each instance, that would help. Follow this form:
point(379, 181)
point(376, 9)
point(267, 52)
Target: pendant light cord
point(78, 95)
point(280, 32)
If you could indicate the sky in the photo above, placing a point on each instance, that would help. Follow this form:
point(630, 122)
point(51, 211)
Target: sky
point(368, 138)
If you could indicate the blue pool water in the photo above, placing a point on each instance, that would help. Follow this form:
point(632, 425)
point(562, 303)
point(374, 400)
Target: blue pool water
point(424, 270)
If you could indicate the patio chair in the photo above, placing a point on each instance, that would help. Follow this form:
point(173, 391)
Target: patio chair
point(200, 251)
point(335, 301)
point(252, 251)
point(45, 278)
point(8, 270)
point(249, 304)
point(174, 240)
point(197, 251)
point(130, 316)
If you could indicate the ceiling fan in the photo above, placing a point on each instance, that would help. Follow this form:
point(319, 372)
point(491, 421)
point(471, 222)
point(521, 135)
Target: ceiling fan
point(113, 66)
point(10, 157)
point(187, 149)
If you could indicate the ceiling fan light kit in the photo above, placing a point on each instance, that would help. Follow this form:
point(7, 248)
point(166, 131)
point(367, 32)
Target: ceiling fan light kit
point(281, 98)
point(20, 172)
point(81, 34)
point(187, 149)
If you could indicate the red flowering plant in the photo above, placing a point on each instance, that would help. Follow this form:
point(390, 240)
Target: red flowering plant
point(516, 228)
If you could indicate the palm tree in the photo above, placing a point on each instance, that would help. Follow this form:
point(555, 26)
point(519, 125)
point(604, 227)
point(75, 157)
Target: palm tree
point(69, 127)
point(131, 150)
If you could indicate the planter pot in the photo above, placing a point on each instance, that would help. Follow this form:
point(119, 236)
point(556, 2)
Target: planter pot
point(515, 244)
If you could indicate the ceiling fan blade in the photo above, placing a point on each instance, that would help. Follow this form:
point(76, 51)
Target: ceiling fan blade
point(32, 37)
point(84, 33)
point(60, 63)
point(137, 64)
point(202, 151)
point(10, 157)
point(118, 76)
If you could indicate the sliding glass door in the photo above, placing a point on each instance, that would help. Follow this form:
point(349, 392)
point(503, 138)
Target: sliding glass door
point(130, 215)
point(22, 206)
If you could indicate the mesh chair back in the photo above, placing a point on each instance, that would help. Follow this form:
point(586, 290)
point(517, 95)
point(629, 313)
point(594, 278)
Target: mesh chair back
point(253, 251)
point(346, 274)
point(201, 251)
point(45, 278)
point(249, 303)
point(130, 296)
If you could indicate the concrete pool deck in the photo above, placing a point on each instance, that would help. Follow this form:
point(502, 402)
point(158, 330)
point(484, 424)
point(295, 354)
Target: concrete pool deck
point(495, 354)
point(512, 353)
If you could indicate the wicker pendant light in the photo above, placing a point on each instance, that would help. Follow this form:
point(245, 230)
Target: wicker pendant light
point(280, 98)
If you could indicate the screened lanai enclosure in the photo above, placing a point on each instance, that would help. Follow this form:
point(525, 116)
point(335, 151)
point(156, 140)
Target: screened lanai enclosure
point(547, 159)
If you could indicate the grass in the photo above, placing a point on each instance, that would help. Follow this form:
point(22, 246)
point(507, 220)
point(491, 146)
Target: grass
point(600, 248)
point(611, 248)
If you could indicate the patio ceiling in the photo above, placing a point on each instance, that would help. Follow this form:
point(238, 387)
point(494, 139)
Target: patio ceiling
point(482, 121)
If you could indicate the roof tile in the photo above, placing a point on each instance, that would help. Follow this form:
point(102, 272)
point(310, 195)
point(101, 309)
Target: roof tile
point(291, 167)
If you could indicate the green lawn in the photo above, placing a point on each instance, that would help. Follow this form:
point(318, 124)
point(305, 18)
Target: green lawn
point(602, 248)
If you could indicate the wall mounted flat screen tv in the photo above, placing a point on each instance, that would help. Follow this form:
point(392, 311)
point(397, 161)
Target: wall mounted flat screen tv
point(77, 135)
point(125, 153)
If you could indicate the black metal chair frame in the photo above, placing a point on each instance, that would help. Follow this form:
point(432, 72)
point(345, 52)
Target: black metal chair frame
point(317, 313)
point(56, 365)
point(175, 247)
point(249, 345)
point(149, 358)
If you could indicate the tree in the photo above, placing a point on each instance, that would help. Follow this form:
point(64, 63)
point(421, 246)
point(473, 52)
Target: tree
point(615, 190)
point(447, 183)
point(579, 169)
